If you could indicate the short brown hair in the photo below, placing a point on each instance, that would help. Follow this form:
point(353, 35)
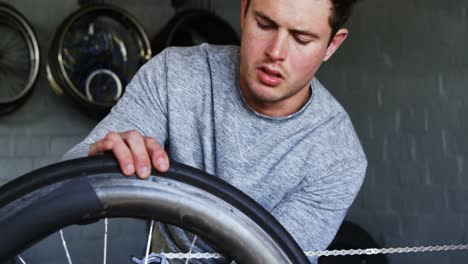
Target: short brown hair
point(341, 11)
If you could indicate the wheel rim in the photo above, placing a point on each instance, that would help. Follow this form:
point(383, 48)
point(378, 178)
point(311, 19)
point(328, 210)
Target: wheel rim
point(249, 242)
point(19, 58)
point(95, 38)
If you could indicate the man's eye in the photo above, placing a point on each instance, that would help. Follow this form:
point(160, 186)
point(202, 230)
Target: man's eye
point(301, 41)
point(263, 26)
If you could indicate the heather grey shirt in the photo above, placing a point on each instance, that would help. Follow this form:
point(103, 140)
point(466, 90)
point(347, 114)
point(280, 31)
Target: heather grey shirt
point(305, 169)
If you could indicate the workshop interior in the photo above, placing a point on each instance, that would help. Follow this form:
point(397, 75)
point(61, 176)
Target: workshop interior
point(402, 77)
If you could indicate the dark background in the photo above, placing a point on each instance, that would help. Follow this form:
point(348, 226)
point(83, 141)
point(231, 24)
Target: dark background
point(402, 76)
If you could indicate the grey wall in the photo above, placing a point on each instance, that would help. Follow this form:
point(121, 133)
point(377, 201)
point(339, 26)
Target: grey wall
point(401, 75)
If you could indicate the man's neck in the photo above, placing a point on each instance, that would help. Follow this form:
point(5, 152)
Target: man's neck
point(282, 108)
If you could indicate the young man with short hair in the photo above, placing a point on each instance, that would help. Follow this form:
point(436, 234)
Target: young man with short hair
point(254, 116)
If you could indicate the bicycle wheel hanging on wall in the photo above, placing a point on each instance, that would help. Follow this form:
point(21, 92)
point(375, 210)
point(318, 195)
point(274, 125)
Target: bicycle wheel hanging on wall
point(84, 190)
point(193, 27)
point(94, 54)
point(19, 59)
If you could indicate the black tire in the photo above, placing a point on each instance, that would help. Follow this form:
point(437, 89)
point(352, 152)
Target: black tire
point(85, 190)
point(181, 28)
point(19, 59)
point(120, 28)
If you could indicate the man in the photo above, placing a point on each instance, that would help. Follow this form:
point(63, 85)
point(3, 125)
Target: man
point(255, 117)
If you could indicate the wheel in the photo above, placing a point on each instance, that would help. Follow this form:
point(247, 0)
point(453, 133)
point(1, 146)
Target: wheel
point(84, 190)
point(93, 56)
point(194, 27)
point(19, 59)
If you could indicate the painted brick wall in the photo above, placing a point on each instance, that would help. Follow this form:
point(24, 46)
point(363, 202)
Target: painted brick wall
point(402, 76)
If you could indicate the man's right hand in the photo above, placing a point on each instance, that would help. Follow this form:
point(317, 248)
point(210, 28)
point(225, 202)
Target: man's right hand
point(134, 152)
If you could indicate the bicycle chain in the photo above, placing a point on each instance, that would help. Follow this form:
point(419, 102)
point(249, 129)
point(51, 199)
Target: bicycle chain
point(374, 251)
point(192, 255)
point(347, 252)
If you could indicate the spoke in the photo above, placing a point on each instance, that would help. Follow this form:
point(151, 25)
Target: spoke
point(150, 235)
point(105, 241)
point(190, 251)
point(65, 247)
point(21, 259)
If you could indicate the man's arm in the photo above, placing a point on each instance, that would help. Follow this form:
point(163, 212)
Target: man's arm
point(137, 126)
point(315, 210)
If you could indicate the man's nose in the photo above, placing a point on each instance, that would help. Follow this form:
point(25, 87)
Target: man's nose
point(278, 50)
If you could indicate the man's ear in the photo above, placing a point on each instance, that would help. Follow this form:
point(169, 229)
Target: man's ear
point(336, 42)
point(243, 10)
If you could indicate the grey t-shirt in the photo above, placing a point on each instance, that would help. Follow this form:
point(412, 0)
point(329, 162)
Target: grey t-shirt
point(306, 168)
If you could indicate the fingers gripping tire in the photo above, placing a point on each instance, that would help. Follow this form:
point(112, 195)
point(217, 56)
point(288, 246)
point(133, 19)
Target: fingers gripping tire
point(85, 190)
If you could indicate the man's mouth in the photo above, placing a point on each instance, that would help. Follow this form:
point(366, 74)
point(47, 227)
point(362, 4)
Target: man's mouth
point(271, 72)
point(269, 77)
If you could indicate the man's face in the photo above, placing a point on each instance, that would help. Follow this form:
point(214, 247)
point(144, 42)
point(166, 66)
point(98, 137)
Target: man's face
point(284, 43)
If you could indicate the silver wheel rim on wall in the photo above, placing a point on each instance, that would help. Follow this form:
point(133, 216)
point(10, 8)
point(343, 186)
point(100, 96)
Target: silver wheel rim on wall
point(96, 38)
